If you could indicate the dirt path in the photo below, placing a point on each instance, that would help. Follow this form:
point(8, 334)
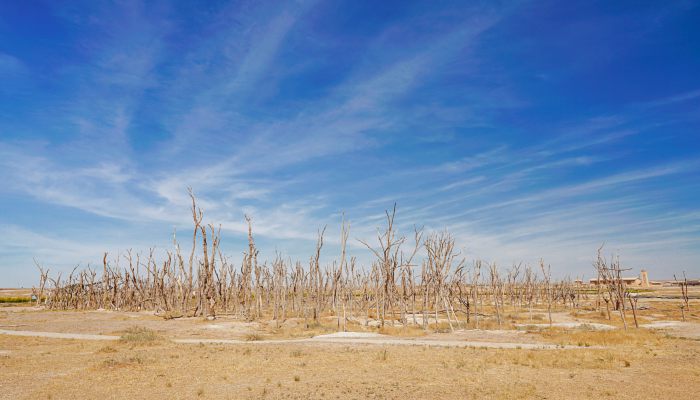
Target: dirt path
point(56, 335)
point(327, 339)
point(386, 342)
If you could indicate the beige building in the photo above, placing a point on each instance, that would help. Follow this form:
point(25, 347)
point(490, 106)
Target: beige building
point(639, 281)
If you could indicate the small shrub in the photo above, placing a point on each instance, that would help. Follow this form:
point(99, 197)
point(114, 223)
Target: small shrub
point(139, 335)
point(253, 337)
point(443, 328)
point(134, 360)
point(172, 315)
point(112, 363)
point(107, 349)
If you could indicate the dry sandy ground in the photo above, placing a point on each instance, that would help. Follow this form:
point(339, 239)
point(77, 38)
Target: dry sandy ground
point(114, 323)
point(41, 368)
point(108, 325)
point(215, 359)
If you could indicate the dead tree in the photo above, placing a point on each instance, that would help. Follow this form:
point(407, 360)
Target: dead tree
point(547, 276)
point(441, 260)
point(615, 287)
point(685, 301)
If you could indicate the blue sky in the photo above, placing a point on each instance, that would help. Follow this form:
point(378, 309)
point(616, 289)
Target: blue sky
point(528, 129)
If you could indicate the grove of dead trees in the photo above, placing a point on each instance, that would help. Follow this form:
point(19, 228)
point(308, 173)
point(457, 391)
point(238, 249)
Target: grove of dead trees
point(422, 281)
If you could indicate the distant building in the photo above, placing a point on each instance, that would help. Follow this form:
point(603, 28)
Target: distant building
point(640, 281)
point(630, 281)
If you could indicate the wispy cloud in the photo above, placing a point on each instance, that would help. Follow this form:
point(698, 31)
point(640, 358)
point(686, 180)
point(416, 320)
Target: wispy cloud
point(291, 116)
point(679, 98)
point(10, 65)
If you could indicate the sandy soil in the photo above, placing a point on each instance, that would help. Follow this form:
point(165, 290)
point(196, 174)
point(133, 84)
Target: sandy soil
point(225, 327)
point(111, 323)
point(42, 368)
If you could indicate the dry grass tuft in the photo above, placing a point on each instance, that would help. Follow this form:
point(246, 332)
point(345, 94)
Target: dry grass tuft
point(140, 335)
point(124, 362)
point(617, 337)
point(107, 349)
point(404, 331)
point(295, 328)
point(297, 353)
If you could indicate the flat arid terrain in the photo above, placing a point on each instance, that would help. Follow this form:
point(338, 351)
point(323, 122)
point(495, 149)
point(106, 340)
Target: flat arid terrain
point(48, 354)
